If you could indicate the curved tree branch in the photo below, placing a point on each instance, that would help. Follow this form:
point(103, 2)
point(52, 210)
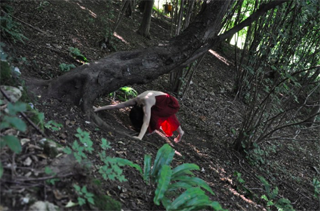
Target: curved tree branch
point(84, 84)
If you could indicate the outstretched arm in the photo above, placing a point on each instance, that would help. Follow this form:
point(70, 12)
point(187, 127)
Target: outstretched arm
point(131, 102)
point(146, 121)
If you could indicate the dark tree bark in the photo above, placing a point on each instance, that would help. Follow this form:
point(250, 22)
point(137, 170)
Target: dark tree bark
point(84, 84)
point(146, 19)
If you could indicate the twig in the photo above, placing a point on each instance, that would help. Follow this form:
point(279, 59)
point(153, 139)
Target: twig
point(24, 115)
point(13, 171)
point(43, 178)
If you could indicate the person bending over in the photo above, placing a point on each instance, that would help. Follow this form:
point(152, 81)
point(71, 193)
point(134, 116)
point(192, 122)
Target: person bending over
point(152, 110)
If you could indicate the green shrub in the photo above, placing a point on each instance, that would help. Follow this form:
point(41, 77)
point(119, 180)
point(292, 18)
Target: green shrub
point(124, 93)
point(111, 168)
point(66, 67)
point(36, 117)
point(170, 182)
point(281, 204)
point(316, 185)
point(75, 52)
point(11, 120)
point(83, 195)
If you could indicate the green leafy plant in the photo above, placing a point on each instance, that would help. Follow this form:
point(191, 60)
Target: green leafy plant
point(124, 93)
point(241, 186)
point(42, 5)
point(48, 171)
point(239, 178)
point(36, 117)
point(170, 182)
point(316, 185)
point(83, 195)
point(9, 27)
point(111, 168)
point(75, 52)
point(53, 126)
point(281, 204)
point(11, 120)
point(66, 67)
point(78, 149)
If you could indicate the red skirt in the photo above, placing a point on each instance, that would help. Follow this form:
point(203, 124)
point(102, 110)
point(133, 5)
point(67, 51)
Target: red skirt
point(163, 114)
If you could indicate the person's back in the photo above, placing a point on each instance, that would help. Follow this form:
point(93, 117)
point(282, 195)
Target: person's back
point(152, 110)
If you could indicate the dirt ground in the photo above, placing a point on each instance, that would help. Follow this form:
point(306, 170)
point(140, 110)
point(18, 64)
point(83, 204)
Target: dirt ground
point(208, 116)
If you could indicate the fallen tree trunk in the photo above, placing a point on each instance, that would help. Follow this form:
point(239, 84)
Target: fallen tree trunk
point(84, 84)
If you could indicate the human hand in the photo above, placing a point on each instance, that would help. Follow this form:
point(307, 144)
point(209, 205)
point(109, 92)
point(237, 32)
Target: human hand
point(95, 109)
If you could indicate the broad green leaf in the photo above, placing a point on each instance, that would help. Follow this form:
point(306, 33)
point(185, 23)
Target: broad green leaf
point(126, 162)
point(16, 123)
point(185, 197)
point(52, 125)
point(67, 150)
point(90, 200)
point(264, 197)
point(84, 189)
point(265, 183)
point(4, 125)
point(75, 146)
point(81, 201)
point(13, 143)
point(77, 187)
point(17, 107)
point(274, 193)
point(179, 185)
point(165, 201)
point(185, 168)
point(2, 142)
point(199, 200)
point(284, 204)
point(164, 157)
point(105, 144)
point(1, 170)
point(48, 170)
point(270, 203)
point(216, 206)
point(147, 168)
point(195, 181)
point(163, 183)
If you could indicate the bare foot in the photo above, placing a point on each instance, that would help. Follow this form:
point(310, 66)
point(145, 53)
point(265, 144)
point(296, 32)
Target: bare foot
point(179, 137)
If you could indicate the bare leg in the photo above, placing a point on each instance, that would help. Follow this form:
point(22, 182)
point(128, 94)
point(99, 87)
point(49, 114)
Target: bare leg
point(181, 132)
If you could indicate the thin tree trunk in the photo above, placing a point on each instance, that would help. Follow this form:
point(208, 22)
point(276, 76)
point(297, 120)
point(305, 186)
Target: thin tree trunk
point(144, 28)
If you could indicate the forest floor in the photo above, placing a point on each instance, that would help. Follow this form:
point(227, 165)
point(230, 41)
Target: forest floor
point(209, 115)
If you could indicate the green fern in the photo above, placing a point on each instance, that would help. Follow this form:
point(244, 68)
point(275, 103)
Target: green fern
point(163, 183)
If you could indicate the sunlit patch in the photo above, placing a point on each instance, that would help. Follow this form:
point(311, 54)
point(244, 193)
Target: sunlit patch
point(223, 176)
point(227, 178)
point(90, 12)
point(120, 38)
point(221, 58)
